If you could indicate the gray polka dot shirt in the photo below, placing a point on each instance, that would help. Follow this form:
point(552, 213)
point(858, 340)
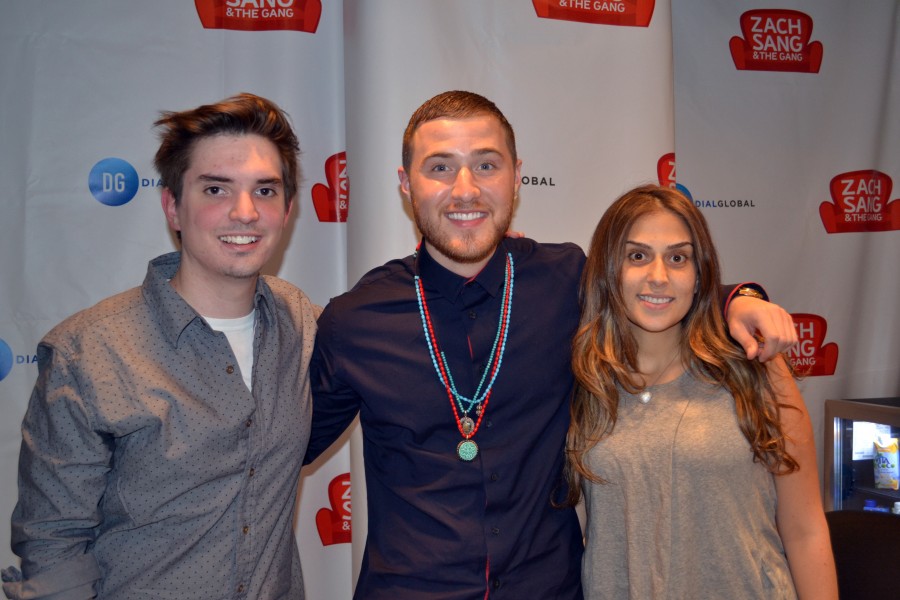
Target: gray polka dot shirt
point(147, 468)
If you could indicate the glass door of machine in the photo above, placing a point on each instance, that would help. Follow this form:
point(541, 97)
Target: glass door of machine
point(856, 468)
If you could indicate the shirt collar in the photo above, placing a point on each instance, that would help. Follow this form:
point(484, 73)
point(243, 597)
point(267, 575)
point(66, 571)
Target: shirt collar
point(173, 314)
point(449, 284)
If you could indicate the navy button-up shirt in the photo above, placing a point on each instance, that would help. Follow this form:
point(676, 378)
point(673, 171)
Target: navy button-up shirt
point(440, 527)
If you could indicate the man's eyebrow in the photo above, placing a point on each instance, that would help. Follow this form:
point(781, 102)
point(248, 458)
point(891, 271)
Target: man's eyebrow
point(223, 179)
point(487, 150)
point(214, 178)
point(478, 152)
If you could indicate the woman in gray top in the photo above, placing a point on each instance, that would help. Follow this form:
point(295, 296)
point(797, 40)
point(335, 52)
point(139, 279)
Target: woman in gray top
point(698, 465)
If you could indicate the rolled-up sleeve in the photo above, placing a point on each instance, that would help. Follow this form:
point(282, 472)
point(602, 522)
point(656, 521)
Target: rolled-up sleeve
point(63, 464)
point(69, 580)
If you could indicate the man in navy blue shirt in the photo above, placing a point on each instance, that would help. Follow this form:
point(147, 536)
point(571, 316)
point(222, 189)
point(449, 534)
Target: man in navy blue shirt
point(457, 360)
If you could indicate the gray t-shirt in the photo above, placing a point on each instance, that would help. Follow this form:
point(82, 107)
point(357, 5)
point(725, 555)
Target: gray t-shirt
point(686, 514)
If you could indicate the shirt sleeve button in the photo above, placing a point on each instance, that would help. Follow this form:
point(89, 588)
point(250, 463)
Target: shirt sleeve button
point(229, 369)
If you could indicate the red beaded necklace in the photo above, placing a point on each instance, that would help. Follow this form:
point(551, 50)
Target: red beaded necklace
point(467, 449)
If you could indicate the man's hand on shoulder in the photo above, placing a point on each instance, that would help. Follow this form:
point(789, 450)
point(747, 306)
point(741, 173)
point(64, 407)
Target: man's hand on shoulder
point(762, 328)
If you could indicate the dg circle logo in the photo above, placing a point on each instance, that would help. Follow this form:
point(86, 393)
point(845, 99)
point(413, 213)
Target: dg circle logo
point(6, 360)
point(113, 181)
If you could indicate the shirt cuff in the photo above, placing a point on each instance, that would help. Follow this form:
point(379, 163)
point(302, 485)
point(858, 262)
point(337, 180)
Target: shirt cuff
point(750, 287)
point(68, 580)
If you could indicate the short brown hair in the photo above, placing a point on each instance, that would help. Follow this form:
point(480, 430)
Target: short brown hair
point(242, 114)
point(455, 104)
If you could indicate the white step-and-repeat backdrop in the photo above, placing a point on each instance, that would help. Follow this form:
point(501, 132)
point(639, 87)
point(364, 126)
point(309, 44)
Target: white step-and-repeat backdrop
point(783, 118)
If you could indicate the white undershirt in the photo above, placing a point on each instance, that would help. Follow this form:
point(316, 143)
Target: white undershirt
point(239, 332)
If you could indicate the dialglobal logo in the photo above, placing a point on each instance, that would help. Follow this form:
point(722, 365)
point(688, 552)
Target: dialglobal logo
point(6, 360)
point(113, 181)
point(538, 180)
point(733, 203)
point(665, 171)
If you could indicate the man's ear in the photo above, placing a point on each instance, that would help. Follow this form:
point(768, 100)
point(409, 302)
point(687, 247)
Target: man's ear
point(170, 208)
point(290, 207)
point(404, 182)
point(518, 177)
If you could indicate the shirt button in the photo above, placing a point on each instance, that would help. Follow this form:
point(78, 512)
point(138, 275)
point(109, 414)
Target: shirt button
point(240, 589)
point(495, 584)
point(495, 530)
point(488, 423)
point(472, 314)
point(229, 369)
point(249, 422)
point(494, 477)
point(252, 472)
point(246, 529)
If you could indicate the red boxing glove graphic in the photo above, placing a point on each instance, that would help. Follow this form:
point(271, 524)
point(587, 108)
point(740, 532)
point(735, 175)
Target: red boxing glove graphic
point(812, 356)
point(334, 524)
point(248, 15)
point(635, 13)
point(332, 201)
point(776, 40)
point(860, 203)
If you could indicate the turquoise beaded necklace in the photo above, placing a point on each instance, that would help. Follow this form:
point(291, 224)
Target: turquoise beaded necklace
point(467, 449)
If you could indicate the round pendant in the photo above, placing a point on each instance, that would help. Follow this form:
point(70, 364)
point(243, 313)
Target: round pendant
point(467, 425)
point(645, 397)
point(467, 450)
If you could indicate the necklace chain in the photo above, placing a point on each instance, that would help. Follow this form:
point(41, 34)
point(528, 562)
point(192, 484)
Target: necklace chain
point(479, 400)
point(646, 395)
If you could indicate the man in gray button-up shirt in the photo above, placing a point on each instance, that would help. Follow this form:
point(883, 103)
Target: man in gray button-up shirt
point(165, 434)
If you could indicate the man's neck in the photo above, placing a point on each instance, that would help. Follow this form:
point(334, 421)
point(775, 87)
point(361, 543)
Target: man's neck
point(463, 269)
point(217, 301)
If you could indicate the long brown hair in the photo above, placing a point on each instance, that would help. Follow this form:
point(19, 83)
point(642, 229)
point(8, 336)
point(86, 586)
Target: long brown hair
point(604, 351)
